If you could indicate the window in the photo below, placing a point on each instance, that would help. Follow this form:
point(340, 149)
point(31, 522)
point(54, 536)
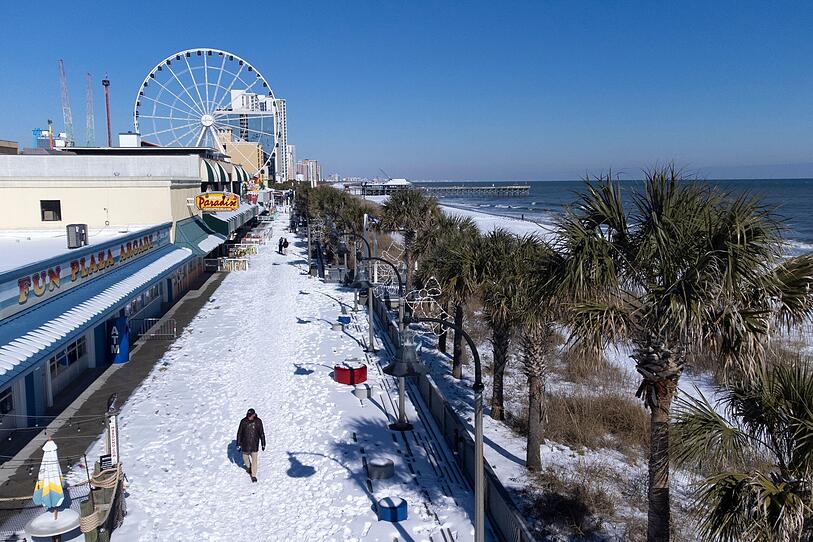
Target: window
point(51, 210)
point(6, 401)
point(65, 358)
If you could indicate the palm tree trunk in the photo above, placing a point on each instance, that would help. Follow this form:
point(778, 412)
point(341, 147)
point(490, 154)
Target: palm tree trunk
point(658, 517)
point(536, 415)
point(501, 340)
point(535, 348)
point(457, 341)
point(443, 334)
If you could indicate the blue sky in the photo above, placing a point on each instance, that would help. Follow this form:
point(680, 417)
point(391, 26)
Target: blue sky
point(463, 90)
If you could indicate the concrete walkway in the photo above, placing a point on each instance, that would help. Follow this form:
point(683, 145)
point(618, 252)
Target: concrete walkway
point(267, 342)
point(264, 339)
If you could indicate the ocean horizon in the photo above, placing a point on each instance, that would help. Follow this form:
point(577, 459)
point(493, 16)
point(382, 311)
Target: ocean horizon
point(790, 199)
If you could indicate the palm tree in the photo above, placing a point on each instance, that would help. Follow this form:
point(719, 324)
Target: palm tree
point(447, 259)
point(409, 212)
point(686, 268)
point(765, 443)
point(498, 272)
point(540, 307)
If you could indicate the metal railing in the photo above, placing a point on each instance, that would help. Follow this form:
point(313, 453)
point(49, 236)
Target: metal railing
point(503, 514)
point(233, 264)
point(155, 328)
point(241, 250)
point(212, 265)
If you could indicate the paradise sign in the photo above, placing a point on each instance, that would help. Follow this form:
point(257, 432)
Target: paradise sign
point(217, 201)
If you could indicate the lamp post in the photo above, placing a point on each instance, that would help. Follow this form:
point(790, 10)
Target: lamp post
point(479, 481)
point(406, 361)
point(406, 364)
point(358, 282)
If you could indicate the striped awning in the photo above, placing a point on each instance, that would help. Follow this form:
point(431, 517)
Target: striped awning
point(213, 171)
point(240, 173)
point(224, 177)
point(208, 172)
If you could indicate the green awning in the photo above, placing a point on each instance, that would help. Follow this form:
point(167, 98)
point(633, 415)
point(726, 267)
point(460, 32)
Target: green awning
point(226, 223)
point(195, 235)
point(224, 177)
point(208, 173)
point(242, 176)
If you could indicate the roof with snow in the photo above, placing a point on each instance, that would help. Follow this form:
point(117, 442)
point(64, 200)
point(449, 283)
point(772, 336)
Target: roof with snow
point(24, 247)
point(398, 182)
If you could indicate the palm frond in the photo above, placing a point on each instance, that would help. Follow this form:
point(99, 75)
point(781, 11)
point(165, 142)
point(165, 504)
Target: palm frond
point(751, 506)
point(702, 434)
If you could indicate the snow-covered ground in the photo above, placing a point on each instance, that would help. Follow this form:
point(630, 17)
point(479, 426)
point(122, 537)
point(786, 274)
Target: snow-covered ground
point(265, 342)
point(487, 222)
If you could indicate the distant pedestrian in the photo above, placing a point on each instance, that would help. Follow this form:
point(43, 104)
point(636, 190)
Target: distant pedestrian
point(249, 437)
point(281, 242)
point(285, 246)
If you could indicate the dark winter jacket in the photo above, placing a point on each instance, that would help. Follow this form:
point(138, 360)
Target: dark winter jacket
point(250, 434)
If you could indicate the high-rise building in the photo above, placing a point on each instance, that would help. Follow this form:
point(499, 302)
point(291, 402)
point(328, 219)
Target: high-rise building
point(313, 171)
point(281, 148)
point(290, 159)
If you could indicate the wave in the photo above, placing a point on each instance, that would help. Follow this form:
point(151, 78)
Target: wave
point(797, 248)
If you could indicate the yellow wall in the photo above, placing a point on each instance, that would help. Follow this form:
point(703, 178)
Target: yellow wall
point(246, 154)
point(91, 202)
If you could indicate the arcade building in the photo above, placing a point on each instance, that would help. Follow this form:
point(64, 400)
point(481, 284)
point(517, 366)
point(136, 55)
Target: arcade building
point(71, 305)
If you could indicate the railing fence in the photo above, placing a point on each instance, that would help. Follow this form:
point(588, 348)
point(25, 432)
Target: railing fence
point(504, 516)
point(155, 328)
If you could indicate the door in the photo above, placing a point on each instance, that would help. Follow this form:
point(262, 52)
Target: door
point(34, 396)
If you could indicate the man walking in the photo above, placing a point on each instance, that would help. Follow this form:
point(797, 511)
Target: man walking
point(249, 436)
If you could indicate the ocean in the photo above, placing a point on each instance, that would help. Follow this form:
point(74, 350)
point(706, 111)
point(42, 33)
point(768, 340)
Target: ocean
point(792, 200)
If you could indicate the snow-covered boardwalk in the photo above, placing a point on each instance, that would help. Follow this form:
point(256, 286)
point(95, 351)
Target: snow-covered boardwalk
point(265, 342)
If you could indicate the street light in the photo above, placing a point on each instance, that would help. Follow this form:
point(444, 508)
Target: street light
point(406, 360)
point(360, 281)
point(479, 482)
point(405, 365)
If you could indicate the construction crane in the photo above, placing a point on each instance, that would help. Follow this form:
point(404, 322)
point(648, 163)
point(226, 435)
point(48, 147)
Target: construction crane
point(90, 135)
point(106, 85)
point(386, 175)
point(67, 116)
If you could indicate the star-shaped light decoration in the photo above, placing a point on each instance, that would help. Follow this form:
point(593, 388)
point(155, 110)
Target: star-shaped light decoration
point(424, 303)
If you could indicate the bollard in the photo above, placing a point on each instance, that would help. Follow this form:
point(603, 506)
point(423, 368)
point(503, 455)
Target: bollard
point(85, 509)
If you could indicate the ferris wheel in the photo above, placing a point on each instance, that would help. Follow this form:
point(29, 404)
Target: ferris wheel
point(208, 98)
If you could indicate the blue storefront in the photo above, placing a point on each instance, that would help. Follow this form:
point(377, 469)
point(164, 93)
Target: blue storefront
point(80, 309)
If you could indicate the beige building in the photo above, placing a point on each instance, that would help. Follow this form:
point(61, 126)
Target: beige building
point(244, 153)
point(9, 147)
point(109, 187)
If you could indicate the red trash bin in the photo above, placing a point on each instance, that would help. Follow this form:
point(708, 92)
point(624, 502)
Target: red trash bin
point(350, 372)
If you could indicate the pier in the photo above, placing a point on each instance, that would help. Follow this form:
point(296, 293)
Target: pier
point(459, 190)
point(466, 190)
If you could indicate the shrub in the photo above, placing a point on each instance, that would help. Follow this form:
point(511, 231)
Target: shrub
point(584, 367)
point(606, 420)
